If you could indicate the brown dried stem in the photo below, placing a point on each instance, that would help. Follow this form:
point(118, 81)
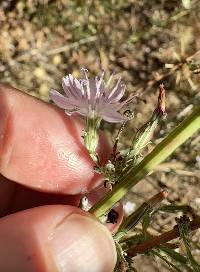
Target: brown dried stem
point(161, 239)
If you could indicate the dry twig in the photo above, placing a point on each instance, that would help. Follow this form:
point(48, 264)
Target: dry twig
point(161, 239)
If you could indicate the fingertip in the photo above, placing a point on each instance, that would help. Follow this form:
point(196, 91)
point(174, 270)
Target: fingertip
point(41, 147)
point(55, 238)
point(83, 244)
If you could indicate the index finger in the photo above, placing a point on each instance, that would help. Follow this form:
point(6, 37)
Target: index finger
point(41, 147)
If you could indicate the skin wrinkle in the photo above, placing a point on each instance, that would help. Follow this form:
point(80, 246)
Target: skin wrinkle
point(72, 128)
point(76, 248)
point(62, 221)
point(43, 163)
point(37, 138)
point(47, 231)
point(71, 159)
point(55, 225)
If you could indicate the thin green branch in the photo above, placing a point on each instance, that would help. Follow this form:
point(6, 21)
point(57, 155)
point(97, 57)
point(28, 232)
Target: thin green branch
point(165, 148)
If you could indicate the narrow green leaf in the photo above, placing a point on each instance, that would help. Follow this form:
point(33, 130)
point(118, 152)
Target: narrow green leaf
point(173, 254)
point(155, 252)
point(171, 208)
point(176, 256)
point(184, 229)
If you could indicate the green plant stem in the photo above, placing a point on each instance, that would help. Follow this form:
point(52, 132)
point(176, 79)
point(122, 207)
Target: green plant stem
point(165, 148)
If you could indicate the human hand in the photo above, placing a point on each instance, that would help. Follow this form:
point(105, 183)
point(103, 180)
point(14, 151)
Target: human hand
point(42, 152)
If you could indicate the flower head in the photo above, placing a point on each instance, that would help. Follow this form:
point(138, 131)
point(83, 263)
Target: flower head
point(92, 97)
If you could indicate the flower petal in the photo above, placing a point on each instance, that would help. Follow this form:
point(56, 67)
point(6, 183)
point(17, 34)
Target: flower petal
point(115, 89)
point(93, 91)
point(128, 100)
point(88, 96)
point(110, 106)
point(73, 86)
point(60, 100)
point(65, 102)
point(71, 89)
point(113, 117)
point(99, 85)
point(109, 80)
point(117, 95)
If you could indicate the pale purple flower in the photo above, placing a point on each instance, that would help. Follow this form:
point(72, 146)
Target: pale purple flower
point(92, 97)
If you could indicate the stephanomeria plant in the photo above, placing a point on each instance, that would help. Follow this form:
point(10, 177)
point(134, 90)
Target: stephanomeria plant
point(96, 101)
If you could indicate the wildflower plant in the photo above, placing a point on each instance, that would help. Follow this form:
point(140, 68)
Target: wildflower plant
point(97, 100)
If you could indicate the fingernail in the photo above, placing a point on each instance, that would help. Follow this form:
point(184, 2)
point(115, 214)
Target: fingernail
point(80, 243)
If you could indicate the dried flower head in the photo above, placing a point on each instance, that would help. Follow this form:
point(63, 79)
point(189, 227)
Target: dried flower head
point(92, 97)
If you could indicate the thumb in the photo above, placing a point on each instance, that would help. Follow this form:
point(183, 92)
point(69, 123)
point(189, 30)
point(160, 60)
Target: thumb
point(55, 238)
